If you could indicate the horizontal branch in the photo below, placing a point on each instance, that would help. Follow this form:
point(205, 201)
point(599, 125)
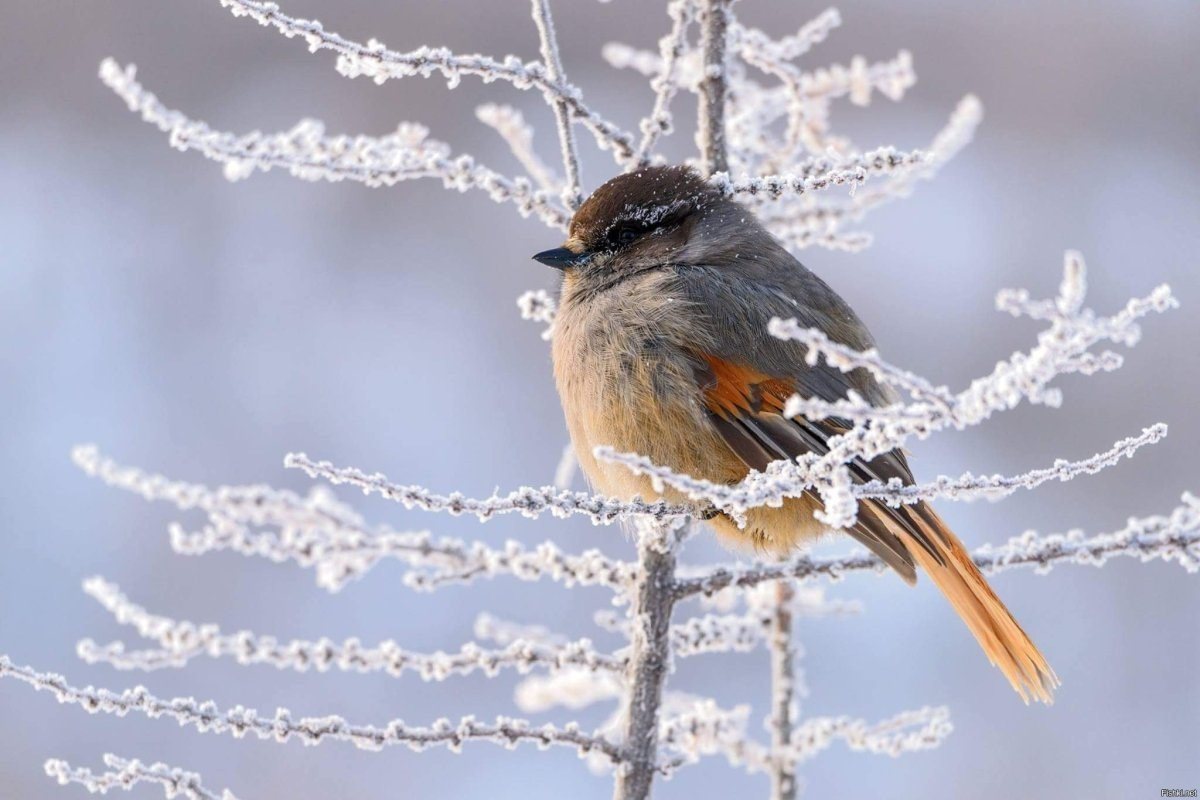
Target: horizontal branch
point(315, 531)
point(321, 533)
point(527, 501)
point(380, 64)
point(1174, 537)
point(822, 172)
point(895, 492)
point(239, 721)
point(716, 633)
point(789, 48)
point(180, 642)
point(993, 487)
point(708, 730)
point(124, 774)
point(307, 153)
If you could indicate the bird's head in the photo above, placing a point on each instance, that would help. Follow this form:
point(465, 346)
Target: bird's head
point(650, 218)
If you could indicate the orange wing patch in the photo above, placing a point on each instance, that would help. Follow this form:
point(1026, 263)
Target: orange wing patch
point(734, 389)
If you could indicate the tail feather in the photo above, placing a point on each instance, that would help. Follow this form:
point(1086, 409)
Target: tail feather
point(950, 566)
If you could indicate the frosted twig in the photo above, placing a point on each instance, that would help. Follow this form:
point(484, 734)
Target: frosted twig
point(805, 224)
point(716, 633)
point(316, 531)
point(537, 305)
point(809, 94)
point(124, 774)
point(377, 62)
point(789, 48)
point(922, 729)
point(666, 82)
point(715, 19)
point(568, 466)
point(526, 501)
point(706, 729)
point(622, 56)
point(518, 134)
point(182, 641)
point(572, 194)
point(702, 728)
point(503, 632)
point(1174, 537)
point(822, 172)
point(307, 153)
point(993, 487)
point(239, 721)
point(546, 560)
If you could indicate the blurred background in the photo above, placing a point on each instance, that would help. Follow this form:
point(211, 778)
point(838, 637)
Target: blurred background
point(202, 329)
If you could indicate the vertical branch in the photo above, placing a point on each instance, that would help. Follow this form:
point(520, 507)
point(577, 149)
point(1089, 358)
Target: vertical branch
point(650, 658)
point(714, 42)
point(666, 83)
point(783, 693)
point(572, 193)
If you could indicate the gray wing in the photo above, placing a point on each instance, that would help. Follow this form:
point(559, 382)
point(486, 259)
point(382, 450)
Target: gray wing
point(746, 375)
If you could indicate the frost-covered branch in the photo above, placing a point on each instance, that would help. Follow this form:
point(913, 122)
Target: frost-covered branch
point(239, 721)
point(789, 48)
point(321, 533)
point(993, 487)
point(527, 501)
point(1171, 537)
point(653, 600)
point(666, 81)
point(124, 774)
point(822, 172)
point(307, 153)
point(377, 62)
point(537, 305)
point(786, 688)
point(705, 729)
point(518, 135)
point(572, 193)
point(715, 21)
point(180, 642)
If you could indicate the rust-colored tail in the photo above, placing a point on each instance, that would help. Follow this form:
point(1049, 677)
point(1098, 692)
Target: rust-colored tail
point(951, 568)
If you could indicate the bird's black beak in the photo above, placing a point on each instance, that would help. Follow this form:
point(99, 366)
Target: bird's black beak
point(559, 258)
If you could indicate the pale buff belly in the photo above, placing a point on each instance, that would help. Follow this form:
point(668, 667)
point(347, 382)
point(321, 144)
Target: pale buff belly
point(647, 402)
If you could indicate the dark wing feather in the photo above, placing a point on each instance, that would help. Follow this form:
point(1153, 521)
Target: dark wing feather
point(745, 408)
point(746, 376)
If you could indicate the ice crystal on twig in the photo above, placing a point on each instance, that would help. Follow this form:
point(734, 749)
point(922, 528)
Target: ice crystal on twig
point(124, 774)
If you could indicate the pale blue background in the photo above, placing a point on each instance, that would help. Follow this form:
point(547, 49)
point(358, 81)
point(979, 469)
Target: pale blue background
point(203, 329)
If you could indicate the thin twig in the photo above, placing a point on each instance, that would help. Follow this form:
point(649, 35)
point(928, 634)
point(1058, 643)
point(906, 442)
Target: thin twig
point(1174, 537)
point(239, 721)
point(379, 63)
point(572, 194)
point(666, 82)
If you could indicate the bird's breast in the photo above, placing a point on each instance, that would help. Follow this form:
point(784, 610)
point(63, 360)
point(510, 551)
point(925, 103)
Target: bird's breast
point(624, 370)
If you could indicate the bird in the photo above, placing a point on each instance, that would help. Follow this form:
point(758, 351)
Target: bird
point(660, 347)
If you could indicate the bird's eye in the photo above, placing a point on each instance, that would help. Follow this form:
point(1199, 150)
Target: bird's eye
point(624, 234)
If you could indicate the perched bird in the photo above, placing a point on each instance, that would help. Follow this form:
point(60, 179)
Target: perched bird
point(661, 348)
